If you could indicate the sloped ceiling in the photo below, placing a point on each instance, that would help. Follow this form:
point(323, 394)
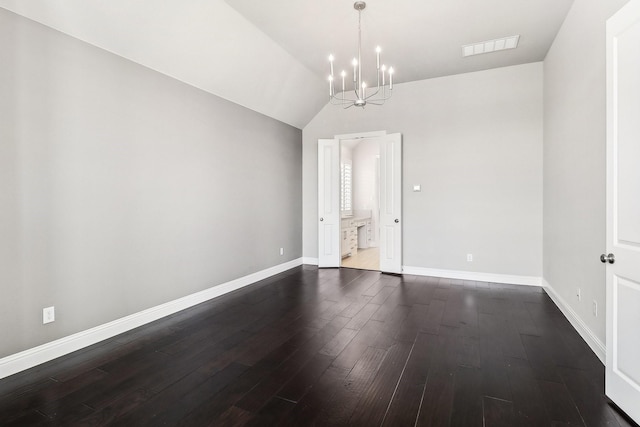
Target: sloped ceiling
point(421, 38)
point(271, 56)
point(206, 44)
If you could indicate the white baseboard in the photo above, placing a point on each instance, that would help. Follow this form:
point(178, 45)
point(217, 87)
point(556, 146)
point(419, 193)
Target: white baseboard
point(310, 261)
point(470, 275)
point(598, 347)
point(43, 353)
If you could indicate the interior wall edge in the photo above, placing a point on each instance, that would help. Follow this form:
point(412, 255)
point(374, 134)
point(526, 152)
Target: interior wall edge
point(35, 356)
point(592, 340)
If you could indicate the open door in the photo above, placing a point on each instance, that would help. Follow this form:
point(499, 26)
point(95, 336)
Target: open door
point(391, 203)
point(328, 203)
point(622, 258)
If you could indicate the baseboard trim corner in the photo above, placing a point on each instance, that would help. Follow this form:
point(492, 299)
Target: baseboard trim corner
point(597, 346)
point(310, 261)
point(35, 356)
point(471, 275)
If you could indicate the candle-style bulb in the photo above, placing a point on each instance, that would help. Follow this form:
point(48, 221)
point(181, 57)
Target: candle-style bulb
point(391, 71)
point(378, 50)
point(331, 63)
point(355, 67)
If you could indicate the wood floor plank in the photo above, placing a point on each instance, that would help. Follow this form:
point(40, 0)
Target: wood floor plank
point(374, 402)
point(382, 296)
point(539, 355)
point(324, 404)
point(348, 357)
point(118, 408)
point(255, 399)
point(560, 406)
point(405, 404)
point(436, 402)
point(342, 339)
point(529, 407)
point(294, 389)
point(497, 412)
point(467, 398)
point(46, 403)
point(226, 398)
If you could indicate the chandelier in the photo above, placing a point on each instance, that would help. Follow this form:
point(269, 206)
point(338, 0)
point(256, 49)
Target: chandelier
point(358, 96)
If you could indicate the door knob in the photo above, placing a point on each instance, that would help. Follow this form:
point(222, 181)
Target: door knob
point(610, 258)
point(396, 220)
point(322, 219)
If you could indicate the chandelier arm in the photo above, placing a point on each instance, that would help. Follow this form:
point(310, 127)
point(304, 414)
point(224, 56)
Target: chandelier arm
point(373, 94)
point(340, 101)
point(383, 96)
point(378, 100)
point(342, 96)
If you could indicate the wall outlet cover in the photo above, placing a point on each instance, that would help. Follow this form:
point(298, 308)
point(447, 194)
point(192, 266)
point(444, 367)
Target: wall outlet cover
point(48, 315)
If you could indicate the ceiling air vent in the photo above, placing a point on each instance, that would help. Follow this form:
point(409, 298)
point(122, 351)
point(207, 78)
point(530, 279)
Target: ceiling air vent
point(488, 46)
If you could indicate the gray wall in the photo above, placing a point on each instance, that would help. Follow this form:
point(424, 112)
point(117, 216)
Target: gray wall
point(474, 143)
point(575, 159)
point(121, 188)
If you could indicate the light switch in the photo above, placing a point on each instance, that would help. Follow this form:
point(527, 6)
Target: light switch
point(417, 188)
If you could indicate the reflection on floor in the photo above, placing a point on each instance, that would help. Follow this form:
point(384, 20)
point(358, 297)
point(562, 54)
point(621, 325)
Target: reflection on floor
point(366, 259)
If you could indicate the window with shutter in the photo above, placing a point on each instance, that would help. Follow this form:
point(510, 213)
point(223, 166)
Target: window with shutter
point(346, 185)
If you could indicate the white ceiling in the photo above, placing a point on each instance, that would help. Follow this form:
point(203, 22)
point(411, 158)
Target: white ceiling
point(271, 56)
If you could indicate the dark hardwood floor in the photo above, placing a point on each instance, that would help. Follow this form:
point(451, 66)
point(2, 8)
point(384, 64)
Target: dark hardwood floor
point(331, 347)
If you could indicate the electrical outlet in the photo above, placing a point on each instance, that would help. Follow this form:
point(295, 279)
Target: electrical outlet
point(579, 294)
point(48, 315)
point(469, 257)
point(281, 251)
point(595, 308)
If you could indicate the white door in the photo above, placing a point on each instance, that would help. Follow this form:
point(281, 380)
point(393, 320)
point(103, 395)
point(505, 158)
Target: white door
point(328, 203)
point(391, 203)
point(623, 209)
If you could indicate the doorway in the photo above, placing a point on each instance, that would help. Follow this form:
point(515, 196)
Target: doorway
point(389, 212)
point(360, 203)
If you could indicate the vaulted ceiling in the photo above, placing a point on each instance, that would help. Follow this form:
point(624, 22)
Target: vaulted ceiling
point(271, 55)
